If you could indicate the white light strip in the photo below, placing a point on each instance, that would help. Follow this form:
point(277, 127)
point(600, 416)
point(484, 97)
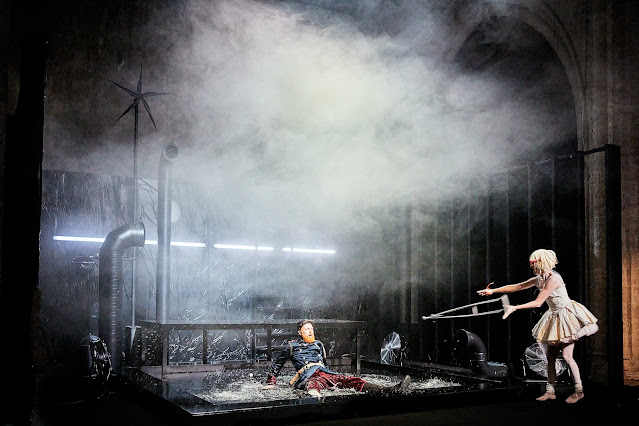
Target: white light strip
point(189, 244)
point(177, 243)
point(86, 239)
point(101, 240)
point(234, 246)
point(303, 250)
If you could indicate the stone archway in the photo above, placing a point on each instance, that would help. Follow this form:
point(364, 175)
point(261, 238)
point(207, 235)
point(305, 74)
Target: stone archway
point(544, 20)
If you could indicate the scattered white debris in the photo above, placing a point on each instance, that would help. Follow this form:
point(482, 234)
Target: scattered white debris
point(250, 388)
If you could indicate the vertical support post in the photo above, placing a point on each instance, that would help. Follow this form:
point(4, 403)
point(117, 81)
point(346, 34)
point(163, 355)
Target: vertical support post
point(553, 205)
point(529, 225)
point(205, 346)
point(357, 351)
point(488, 271)
point(508, 262)
point(581, 229)
point(613, 268)
point(451, 235)
point(469, 270)
point(253, 344)
point(164, 333)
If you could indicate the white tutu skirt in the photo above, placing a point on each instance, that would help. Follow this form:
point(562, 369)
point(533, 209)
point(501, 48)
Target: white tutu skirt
point(566, 325)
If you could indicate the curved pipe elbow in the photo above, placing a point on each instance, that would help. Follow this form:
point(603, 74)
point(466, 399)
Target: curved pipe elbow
point(478, 359)
point(122, 238)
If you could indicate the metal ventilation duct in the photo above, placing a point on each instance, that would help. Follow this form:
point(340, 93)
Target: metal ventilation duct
point(477, 353)
point(110, 323)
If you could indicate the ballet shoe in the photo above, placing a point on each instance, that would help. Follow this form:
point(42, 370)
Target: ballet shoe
point(574, 397)
point(547, 396)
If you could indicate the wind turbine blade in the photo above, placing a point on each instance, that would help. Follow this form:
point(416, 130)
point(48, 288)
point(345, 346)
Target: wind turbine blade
point(154, 94)
point(127, 110)
point(129, 91)
point(148, 109)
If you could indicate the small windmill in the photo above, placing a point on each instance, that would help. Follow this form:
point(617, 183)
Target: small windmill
point(138, 98)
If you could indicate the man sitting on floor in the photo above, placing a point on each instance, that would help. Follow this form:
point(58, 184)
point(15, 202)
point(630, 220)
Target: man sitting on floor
point(309, 359)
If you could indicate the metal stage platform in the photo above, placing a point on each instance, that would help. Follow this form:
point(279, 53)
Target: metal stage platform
point(235, 395)
point(163, 330)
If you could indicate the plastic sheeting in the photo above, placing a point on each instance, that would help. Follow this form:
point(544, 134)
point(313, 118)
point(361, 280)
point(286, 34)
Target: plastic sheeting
point(206, 283)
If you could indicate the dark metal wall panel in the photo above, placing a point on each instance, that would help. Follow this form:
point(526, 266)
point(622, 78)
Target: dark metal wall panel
point(428, 287)
point(498, 258)
point(488, 236)
point(443, 273)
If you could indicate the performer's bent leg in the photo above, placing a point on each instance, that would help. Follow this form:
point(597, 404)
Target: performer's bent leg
point(347, 382)
point(321, 380)
point(318, 382)
point(572, 364)
point(399, 387)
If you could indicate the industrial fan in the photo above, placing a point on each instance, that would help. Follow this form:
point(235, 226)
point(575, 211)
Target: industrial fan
point(390, 346)
point(535, 357)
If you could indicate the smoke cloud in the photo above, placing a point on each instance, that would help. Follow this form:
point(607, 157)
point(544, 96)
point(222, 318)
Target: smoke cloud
point(305, 114)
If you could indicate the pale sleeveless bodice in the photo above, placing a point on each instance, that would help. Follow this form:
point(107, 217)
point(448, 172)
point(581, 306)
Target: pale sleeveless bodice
point(558, 299)
point(566, 320)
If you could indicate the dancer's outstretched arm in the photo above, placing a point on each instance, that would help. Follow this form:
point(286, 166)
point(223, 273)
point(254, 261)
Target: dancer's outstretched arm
point(511, 288)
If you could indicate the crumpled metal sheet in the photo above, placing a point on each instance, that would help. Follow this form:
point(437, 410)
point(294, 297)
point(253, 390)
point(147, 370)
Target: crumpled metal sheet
point(206, 284)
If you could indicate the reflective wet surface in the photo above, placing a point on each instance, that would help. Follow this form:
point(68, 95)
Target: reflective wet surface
point(229, 391)
point(441, 397)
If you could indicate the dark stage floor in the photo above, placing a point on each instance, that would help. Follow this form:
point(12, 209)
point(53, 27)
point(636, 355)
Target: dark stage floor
point(235, 397)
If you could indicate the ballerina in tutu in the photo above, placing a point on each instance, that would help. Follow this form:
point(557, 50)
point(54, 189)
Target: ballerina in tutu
point(561, 326)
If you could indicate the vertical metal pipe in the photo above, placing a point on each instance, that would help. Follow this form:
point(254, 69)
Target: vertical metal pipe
point(529, 226)
point(451, 234)
point(163, 275)
point(508, 262)
point(469, 278)
point(436, 280)
point(489, 191)
point(529, 207)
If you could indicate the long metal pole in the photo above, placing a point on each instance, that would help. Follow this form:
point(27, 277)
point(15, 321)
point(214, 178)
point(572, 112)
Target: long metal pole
point(135, 217)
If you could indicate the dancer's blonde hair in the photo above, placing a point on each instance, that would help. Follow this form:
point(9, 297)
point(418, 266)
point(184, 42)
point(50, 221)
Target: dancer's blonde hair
point(545, 260)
